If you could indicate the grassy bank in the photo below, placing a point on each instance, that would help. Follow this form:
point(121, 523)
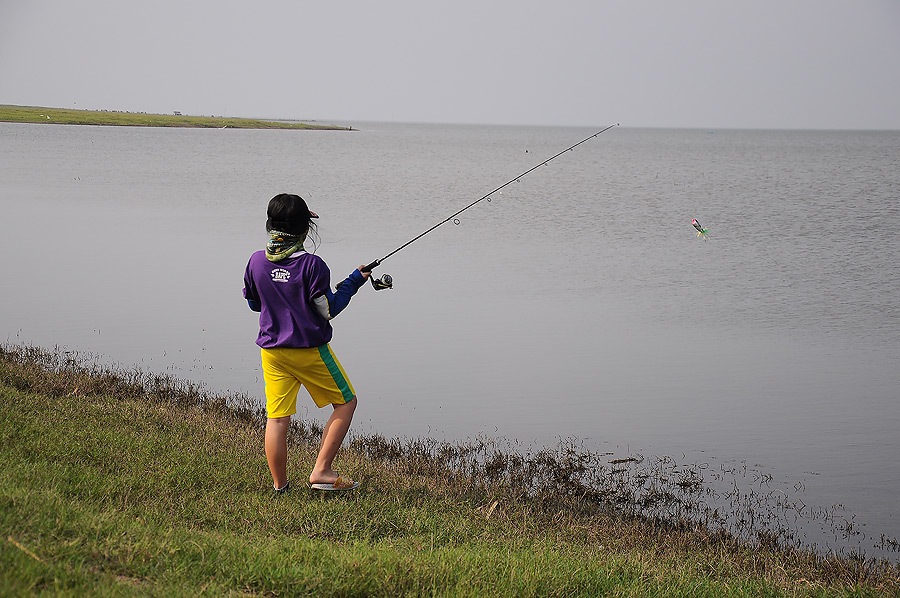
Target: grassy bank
point(63, 116)
point(129, 483)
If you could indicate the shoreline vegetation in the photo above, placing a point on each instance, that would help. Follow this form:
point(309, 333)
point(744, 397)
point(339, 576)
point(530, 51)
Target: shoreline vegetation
point(66, 116)
point(125, 482)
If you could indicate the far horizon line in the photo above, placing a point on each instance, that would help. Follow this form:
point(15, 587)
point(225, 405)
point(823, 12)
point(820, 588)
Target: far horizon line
point(339, 121)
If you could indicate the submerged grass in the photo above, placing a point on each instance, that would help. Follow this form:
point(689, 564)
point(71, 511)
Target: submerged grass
point(66, 116)
point(123, 482)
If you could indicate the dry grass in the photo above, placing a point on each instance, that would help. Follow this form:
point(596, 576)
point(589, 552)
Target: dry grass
point(632, 524)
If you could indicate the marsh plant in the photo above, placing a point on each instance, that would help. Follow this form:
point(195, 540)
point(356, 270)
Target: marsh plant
point(729, 500)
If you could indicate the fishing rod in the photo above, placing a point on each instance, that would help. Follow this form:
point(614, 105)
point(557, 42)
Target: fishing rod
point(386, 282)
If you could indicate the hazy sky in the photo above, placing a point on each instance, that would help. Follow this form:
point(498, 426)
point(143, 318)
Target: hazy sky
point(709, 63)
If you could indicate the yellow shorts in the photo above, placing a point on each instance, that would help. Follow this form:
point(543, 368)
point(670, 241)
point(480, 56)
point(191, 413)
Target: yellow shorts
point(285, 370)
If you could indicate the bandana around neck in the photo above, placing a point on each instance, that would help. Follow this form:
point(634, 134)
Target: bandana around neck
point(282, 245)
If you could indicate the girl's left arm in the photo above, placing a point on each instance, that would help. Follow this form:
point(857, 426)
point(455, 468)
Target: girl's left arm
point(250, 294)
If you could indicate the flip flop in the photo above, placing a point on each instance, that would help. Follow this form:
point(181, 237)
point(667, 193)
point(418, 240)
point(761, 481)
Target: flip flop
point(340, 484)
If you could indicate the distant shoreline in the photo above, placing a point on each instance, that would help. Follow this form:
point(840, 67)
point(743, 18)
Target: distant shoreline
point(67, 116)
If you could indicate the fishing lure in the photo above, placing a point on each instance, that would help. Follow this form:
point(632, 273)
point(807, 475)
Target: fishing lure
point(701, 232)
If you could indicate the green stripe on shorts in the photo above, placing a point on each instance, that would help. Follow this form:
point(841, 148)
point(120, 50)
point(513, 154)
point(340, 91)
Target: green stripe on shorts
point(335, 370)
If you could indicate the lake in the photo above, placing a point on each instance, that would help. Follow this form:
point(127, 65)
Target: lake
point(576, 304)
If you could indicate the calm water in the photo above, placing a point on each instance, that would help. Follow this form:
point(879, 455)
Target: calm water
point(576, 304)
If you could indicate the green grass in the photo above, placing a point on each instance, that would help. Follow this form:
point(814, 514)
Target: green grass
point(63, 116)
point(127, 483)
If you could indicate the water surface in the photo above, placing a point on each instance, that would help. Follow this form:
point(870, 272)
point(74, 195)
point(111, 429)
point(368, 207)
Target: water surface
point(576, 304)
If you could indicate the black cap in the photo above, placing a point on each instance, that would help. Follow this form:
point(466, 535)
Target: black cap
point(289, 213)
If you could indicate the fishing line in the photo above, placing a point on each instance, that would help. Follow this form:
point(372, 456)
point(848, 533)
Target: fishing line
point(386, 282)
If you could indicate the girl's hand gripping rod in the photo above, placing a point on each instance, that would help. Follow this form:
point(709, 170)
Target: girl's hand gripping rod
point(386, 282)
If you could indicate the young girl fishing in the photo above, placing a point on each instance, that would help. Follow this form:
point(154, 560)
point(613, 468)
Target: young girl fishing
point(291, 290)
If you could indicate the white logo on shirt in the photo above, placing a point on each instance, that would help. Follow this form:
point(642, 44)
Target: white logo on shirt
point(280, 275)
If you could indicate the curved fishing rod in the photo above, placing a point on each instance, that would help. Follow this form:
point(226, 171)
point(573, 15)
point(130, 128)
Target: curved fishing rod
point(386, 282)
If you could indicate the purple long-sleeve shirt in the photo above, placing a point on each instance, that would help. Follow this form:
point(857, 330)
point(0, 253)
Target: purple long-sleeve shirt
point(283, 293)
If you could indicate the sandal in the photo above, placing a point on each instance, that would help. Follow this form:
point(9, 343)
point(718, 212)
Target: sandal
point(341, 483)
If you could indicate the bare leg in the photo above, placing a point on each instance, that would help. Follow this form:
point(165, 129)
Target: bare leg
point(332, 437)
point(276, 448)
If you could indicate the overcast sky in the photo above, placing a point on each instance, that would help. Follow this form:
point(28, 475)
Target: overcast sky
point(832, 64)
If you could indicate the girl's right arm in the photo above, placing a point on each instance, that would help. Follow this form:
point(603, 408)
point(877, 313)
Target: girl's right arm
point(331, 304)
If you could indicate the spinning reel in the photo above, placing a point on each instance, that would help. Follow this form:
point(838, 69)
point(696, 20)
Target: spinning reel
point(385, 282)
point(379, 284)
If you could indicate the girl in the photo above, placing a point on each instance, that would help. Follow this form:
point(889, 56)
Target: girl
point(291, 290)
